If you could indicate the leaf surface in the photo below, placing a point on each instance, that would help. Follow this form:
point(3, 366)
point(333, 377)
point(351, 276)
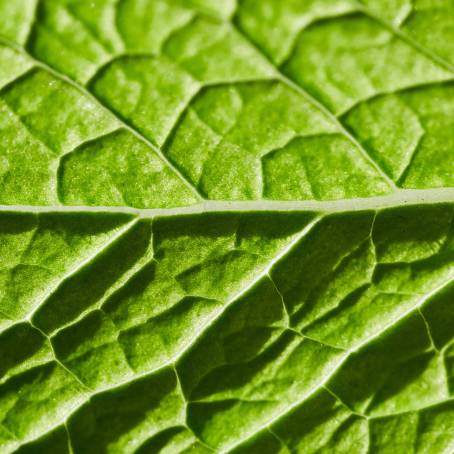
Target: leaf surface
point(226, 226)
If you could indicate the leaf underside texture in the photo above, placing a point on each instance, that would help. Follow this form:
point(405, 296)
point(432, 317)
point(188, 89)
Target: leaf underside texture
point(226, 226)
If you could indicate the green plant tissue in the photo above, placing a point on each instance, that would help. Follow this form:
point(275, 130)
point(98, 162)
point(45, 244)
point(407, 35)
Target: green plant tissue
point(226, 226)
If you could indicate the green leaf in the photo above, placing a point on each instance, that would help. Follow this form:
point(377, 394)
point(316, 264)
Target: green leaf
point(226, 226)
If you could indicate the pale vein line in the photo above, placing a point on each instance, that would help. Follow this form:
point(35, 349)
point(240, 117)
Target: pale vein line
point(82, 89)
point(400, 413)
point(342, 129)
point(57, 360)
point(173, 360)
point(417, 197)
point(322, 108)
point(406, 38)
point(81, 265)
point(323, 382)
point(404, 197)
point(261, 275)
point(352, 205)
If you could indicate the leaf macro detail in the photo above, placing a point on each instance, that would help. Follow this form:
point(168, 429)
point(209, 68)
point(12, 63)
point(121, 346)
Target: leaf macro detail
point(226, 226)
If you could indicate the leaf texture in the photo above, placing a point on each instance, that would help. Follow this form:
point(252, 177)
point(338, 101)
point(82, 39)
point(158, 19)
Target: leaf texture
point(226, 226)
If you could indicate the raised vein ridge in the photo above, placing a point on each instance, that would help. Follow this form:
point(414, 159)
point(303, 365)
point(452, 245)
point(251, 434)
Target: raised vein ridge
point(400, 198)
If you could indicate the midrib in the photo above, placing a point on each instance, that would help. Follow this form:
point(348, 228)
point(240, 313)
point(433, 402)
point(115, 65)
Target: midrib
point(401, 198)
